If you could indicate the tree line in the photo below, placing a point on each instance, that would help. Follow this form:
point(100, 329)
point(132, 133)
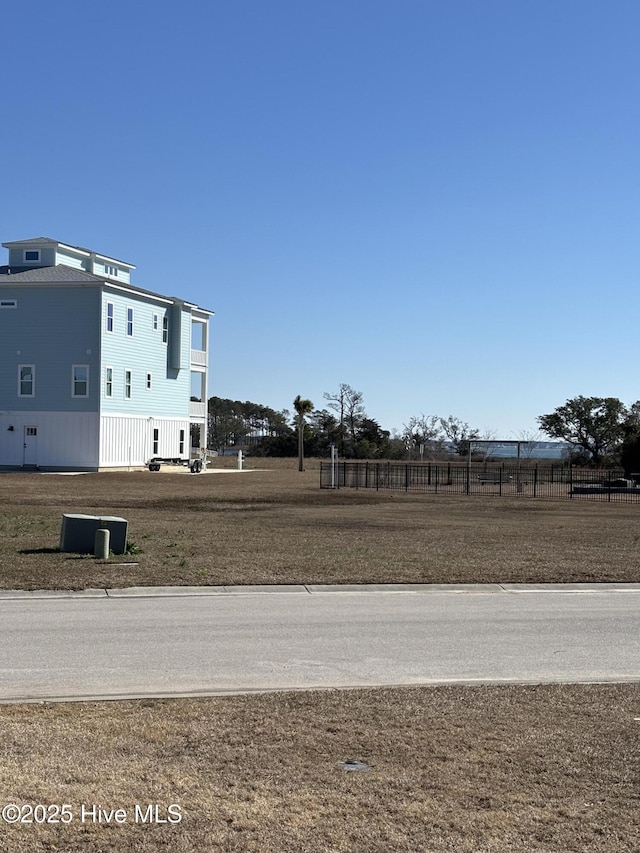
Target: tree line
point(342, 422)
point(599, 431)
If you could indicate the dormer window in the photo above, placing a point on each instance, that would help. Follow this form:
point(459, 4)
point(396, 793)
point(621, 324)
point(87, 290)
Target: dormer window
point(32, 255)
point(111, 270)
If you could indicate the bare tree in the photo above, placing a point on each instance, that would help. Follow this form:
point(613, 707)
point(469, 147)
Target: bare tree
point(528, 439)
point(459, 433)
point(349, 404)
point(422, 431)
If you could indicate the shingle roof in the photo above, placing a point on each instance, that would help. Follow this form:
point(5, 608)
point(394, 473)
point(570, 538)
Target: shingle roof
point(60, 273)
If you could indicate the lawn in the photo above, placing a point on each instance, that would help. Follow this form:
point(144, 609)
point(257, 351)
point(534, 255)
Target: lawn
point(278, 526)
point(464, 769)
point(482, 769)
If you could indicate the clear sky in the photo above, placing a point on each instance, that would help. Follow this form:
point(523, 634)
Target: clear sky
point(434, 201)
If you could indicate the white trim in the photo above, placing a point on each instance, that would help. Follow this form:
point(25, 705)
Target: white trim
point(108, 330)
point(106, 382)
point(26, 260)
point(80, 381)
point(128, 370)
point(33, 380)
point(130, 320)
point(149, 380)
point(8, 303)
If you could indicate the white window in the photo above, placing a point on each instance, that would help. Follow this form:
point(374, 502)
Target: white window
point(26, 380)
point(156, 442)
point(112, 271)
point(108, 382)
point(80, 380)
point(181, 451)
point(148, 382)
point(109, 316)
point(130, 322)
point(127, 384)
point(31, 255)
point(165, 329)
point(155, 322)
point(8, 303)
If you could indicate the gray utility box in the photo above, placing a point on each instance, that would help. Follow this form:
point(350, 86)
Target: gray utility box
point(78, 533)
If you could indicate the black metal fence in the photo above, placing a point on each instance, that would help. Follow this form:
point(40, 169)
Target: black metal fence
point(533, 481)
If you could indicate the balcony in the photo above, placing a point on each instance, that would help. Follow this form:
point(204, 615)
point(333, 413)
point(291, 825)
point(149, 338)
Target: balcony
point(196, 410)
point(199, 357)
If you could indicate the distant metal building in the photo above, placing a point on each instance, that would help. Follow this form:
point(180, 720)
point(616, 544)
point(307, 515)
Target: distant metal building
point(95, 372)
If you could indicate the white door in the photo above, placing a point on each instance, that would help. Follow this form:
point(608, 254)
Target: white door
point(30, 456)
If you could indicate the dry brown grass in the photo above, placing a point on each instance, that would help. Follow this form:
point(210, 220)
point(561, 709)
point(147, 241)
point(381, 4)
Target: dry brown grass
point(278, 526)
point(507, 769)
point(481, 769)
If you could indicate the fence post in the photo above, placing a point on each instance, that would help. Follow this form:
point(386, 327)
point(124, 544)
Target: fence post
point(406, 477)
point(468, 480)
point(609, 485)
point(570, 481)
point(437, 470)
point(535, 480)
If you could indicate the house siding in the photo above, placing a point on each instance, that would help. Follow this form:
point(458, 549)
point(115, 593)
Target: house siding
point(128, 440)
point(52, 329)
point(142, 353)
point(47, 257)
point(64, 439)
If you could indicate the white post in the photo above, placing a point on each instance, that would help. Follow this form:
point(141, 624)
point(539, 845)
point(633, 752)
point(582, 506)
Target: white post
point(334, 465)
point(239, 460)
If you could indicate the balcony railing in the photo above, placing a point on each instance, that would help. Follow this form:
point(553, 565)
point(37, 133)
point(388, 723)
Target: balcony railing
point(196, 410)
point(199, 357)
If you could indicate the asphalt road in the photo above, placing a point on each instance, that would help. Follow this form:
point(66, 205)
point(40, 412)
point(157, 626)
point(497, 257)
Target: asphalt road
point(124, 644)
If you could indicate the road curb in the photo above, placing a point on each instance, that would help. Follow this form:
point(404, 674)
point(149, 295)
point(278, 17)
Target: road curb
point(320, 589)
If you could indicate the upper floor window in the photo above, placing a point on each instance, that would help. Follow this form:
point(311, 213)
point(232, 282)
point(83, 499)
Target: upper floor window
point(155, 322)
point(165, 329)
point(32, 255)
point(127, 384)
point(130, 322)
point(80, 380)
point(109, 316)
point(26, 380)
point(110, 270)
point(148, 382)
point(8, 303)
point(108, 384)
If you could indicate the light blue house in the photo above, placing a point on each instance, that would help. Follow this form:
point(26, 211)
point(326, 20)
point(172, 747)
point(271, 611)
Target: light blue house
point(95, 372)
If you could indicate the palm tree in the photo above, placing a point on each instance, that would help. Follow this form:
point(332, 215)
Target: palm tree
point(302, 407)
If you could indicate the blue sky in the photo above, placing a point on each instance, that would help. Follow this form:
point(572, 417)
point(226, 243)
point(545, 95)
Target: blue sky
point(434, 202)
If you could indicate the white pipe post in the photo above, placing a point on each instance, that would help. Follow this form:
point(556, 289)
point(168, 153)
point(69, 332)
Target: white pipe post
point(239, 460)
point(334, 465)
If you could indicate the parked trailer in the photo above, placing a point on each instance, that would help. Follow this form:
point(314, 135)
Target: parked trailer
point(194, 465)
